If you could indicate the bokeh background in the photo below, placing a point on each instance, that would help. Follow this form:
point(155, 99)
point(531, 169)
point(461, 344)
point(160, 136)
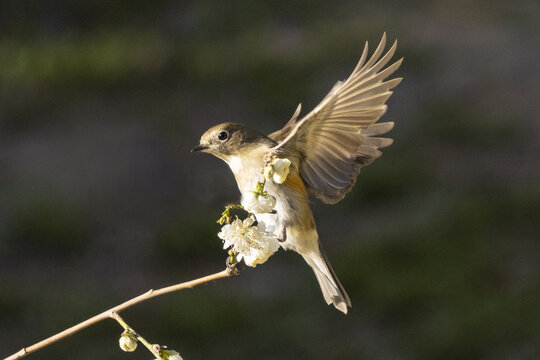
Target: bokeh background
point(438, 244)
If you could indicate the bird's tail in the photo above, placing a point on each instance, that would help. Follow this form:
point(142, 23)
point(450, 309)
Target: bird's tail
point(332, 290)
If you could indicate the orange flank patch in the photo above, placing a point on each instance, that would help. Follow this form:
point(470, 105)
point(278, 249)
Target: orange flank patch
point(294, 182)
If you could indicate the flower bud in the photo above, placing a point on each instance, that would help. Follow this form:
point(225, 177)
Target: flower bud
point(281, 170)
point(127, 343)
point(268, 171)
point(170, 355)
point(267, 202)
point(258, 203)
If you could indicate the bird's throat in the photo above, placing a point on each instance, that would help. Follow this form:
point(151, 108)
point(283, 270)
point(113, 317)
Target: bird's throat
point(247, 169)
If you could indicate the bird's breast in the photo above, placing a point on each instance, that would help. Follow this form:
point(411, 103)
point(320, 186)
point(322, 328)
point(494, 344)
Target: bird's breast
point(292, 206)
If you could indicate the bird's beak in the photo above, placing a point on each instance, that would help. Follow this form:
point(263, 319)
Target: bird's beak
point(199, 148)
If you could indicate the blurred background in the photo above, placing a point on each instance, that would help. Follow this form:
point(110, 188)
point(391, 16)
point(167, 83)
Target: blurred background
point(438, 244)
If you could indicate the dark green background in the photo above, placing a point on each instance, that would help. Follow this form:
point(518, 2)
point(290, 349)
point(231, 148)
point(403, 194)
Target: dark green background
point(438, 244)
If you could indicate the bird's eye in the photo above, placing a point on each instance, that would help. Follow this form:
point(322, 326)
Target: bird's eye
point(223, 135)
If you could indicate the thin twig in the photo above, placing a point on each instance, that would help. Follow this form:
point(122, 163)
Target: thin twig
point(108, 314)
point(128, 328)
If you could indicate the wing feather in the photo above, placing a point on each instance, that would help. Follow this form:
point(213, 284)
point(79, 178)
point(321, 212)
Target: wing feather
point(338, 137)
point(319, 169)
point(369, 90)
point(378, 129)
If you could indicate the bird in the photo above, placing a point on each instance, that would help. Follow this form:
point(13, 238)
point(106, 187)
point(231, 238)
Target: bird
point(326, 148)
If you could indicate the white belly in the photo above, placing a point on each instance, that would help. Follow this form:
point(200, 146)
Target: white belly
point(248, 174)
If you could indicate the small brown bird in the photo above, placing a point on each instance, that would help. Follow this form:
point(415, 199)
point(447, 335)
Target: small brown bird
point(327, 148)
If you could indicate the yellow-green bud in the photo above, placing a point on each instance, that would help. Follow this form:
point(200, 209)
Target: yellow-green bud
point(127, 343)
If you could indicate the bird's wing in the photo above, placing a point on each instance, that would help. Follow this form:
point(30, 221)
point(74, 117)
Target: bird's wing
point(337, 138)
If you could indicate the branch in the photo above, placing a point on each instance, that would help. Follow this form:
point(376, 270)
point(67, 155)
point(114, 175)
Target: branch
point(111, 313)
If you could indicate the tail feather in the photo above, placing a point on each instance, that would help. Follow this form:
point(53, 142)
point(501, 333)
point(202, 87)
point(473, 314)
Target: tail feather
point(331, 288)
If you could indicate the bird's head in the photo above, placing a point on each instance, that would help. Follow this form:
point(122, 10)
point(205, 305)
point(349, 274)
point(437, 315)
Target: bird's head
point(230, 139)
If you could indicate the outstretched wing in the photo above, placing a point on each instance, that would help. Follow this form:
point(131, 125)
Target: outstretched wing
point(337, 138)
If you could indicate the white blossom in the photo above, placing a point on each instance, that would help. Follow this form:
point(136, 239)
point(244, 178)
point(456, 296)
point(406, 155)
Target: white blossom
point(127, 343)
point(258, 203)
point(253, 243)
point(281, 170)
